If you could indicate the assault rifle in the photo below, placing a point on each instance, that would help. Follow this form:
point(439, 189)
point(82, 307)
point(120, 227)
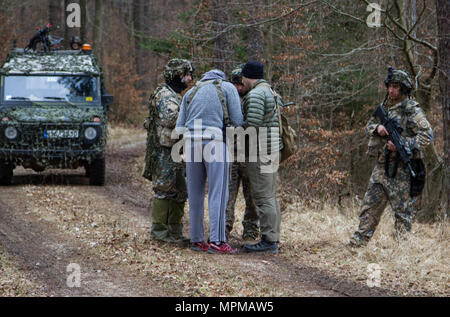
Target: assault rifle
point(394, 129)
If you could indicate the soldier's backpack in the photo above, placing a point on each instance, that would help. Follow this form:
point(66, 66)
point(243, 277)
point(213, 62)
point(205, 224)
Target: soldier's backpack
point(288, 134)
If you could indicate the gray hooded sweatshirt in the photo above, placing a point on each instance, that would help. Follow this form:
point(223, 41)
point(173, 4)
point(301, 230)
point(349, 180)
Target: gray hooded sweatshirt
point(206, 108)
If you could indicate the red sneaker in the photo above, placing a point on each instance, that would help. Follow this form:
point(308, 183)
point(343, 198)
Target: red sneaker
point(222, 248)
point(199, 246)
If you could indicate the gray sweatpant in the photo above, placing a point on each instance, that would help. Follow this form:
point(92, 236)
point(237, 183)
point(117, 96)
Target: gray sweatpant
point(199, 168)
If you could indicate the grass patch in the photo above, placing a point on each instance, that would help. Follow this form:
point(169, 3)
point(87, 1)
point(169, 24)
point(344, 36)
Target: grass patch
point(416, 266)
point(14, 282)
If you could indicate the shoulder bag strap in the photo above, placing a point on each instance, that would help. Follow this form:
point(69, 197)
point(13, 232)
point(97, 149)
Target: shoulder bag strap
point(226, 117)
point(276, 108)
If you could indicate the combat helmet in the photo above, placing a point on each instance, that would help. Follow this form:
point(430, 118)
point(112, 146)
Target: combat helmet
point(400, 77)
point(177, 66)
point(236, 74)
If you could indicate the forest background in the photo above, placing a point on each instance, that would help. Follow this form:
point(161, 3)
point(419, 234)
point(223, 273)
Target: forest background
point(322, 55)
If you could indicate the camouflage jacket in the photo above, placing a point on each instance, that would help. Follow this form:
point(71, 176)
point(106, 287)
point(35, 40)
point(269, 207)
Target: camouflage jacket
point(167, 103)
point(164, 105)
point(417, 132)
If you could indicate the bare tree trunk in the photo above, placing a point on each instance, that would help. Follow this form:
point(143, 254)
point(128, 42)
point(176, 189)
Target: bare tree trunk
point(128, 18)
point(443, 21)
point(98, 28)
point(255, 48)
point(140, 30)
point(268, 65)
point(84, 21)
point(55, 14)
point(137, 29)
point(222, 51)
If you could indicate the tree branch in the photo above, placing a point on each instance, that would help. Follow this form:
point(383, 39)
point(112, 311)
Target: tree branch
point(342, 12)
point(408, 33)
point(235, 26)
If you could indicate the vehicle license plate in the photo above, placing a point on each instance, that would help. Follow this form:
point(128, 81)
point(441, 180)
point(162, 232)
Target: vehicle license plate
point(60, 134)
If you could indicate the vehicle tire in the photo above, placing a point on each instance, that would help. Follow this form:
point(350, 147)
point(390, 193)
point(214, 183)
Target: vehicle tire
point(6, 174)
point(96, 171)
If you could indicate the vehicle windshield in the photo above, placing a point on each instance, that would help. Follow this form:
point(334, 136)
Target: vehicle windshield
point(51, 88)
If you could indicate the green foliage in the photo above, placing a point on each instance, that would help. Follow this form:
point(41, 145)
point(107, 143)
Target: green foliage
point(159, 46)
point(240, 52)
point(175, 45)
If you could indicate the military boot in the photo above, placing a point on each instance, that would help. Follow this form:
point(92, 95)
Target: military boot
point(159, 232)
point(402, 228)
point(175, 224)
point(356, 241)
point(251, 233)
point(401, 231)
point(176, 235)
point(160, 211)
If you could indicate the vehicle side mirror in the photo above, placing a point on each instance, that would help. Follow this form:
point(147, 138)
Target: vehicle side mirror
point(107, 99)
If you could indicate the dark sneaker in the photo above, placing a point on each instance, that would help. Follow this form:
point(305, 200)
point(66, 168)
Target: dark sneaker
point(262, 246)
point(199, 246)
point(222, 248)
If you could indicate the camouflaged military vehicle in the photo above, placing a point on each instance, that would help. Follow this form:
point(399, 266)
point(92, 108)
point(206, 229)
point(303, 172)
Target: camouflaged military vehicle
point(53, 113)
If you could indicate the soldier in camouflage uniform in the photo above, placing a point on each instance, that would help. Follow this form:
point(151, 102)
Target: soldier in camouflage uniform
point(169, 184)
point(390, 179)
point(238, 175)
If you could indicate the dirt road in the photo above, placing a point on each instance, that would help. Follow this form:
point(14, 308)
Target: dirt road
point(53, 222)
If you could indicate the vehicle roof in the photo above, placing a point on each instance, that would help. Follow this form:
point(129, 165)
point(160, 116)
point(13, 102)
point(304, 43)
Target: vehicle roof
point(73, 62)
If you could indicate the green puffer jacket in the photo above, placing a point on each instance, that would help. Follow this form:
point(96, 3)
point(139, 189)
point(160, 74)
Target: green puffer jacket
point(259, 106)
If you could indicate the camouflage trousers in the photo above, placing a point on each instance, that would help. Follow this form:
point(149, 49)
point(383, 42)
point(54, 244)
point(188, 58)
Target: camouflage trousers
point(169, 186)
point(380, 191)
point(250, 222)
point(168, 180)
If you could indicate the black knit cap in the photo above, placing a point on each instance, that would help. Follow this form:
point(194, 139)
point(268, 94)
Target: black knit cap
point(253, 70)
